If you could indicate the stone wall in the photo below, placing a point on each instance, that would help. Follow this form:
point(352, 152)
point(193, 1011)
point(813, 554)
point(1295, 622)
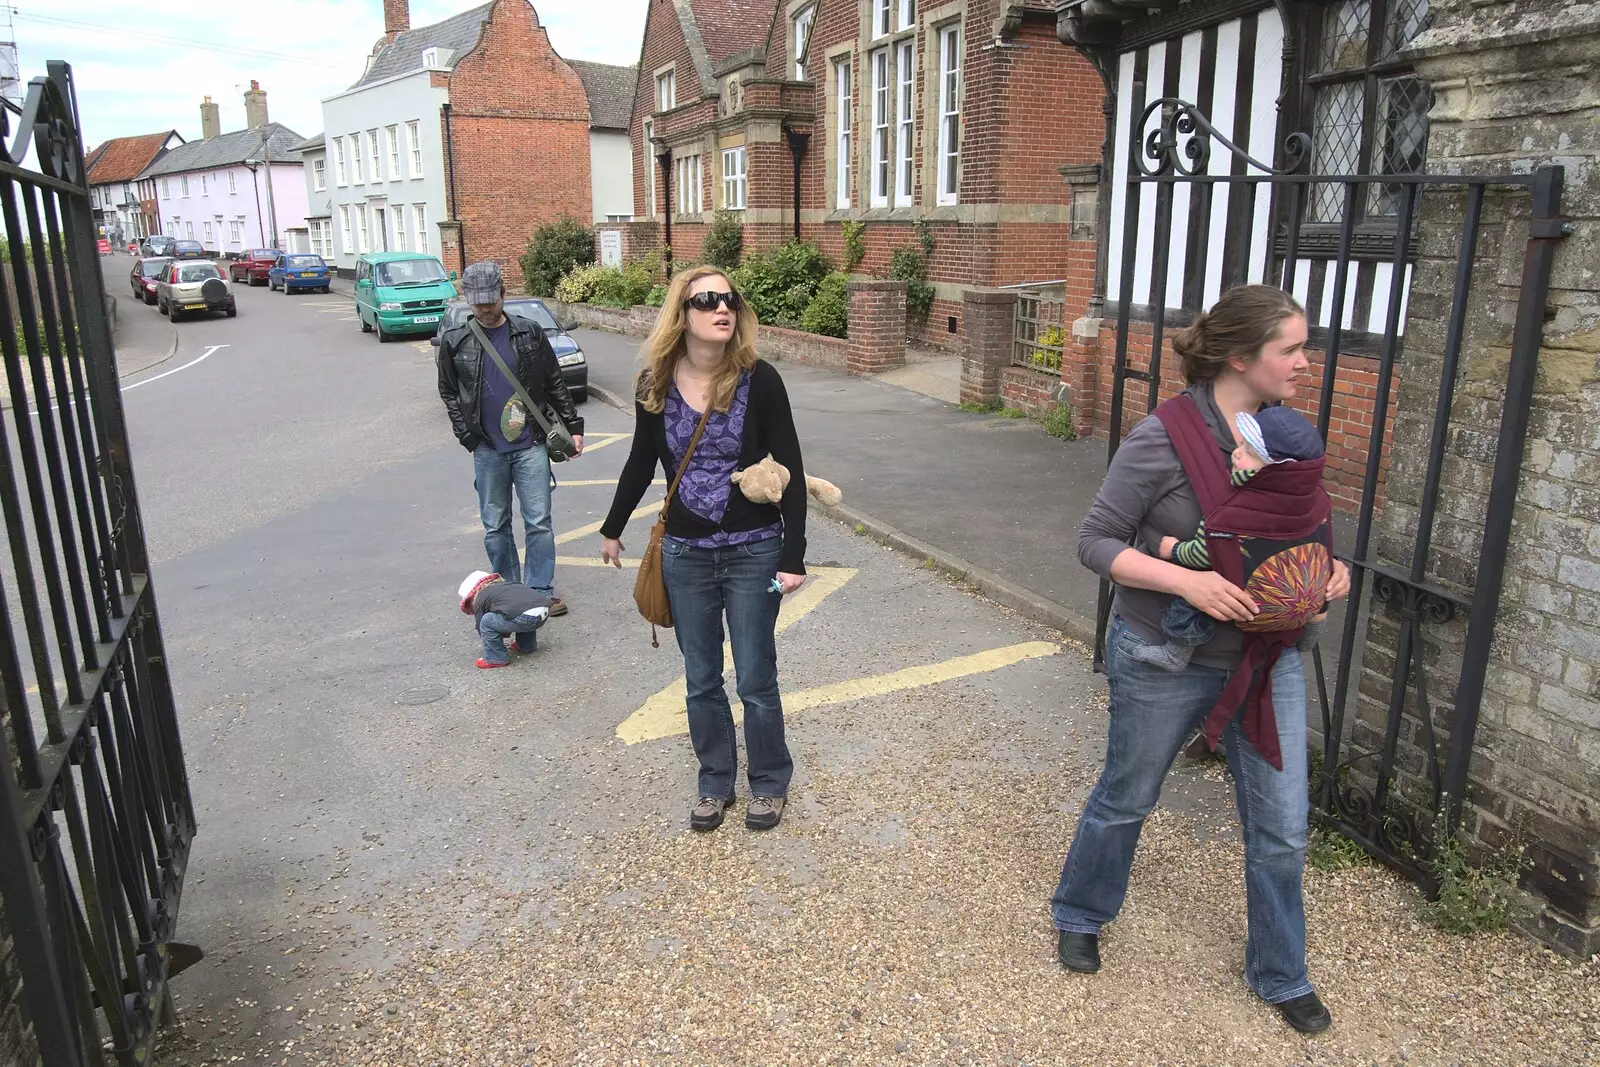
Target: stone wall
point(17, 1048)
point(1516, 87)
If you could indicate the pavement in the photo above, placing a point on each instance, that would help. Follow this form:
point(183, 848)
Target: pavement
point(143, 340)
point(403, 861)
point(994, 499)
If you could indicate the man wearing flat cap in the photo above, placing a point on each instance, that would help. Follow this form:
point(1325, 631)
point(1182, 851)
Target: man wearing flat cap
point(506, 441)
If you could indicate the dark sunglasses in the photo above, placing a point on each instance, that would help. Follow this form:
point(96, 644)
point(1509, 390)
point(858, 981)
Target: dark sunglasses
point(709, 301)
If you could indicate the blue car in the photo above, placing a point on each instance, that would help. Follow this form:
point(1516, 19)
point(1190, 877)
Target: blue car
point(298, 271)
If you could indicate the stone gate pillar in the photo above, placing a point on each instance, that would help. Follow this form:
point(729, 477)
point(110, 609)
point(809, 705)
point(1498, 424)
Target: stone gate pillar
point(1516, 86)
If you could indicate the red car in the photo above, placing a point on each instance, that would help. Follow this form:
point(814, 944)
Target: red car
point(252, 267)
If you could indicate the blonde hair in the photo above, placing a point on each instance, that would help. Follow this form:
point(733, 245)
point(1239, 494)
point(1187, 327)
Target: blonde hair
point(666, 345)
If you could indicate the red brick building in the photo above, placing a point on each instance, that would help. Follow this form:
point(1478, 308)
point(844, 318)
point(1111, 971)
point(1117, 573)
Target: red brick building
point(966, 117)
point(463, 137)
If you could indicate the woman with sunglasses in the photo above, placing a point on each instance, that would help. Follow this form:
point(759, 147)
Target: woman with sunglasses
point(723, 554)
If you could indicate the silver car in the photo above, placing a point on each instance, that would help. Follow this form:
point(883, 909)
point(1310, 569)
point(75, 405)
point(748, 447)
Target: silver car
point(194, 286)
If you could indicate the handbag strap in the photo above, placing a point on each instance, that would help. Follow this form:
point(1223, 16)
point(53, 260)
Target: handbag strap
point(683, 466)
point(494, 354)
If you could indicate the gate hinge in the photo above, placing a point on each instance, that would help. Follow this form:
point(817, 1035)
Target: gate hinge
point(1547, 228)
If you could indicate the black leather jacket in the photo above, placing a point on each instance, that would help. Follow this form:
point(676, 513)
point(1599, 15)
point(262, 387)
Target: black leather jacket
point(461, 360)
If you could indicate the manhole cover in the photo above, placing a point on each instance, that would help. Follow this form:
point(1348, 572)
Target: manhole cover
point(422, 694)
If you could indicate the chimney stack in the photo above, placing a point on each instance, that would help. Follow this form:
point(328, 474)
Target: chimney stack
point(396, 18)
point(210, 120)
point(255, 106)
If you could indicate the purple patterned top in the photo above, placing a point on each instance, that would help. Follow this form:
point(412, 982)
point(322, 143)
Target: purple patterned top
point(706, 486)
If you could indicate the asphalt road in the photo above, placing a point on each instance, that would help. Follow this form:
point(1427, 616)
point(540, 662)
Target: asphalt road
point(310, 516)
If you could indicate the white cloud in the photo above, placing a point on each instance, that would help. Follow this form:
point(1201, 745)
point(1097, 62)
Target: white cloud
point(137, 75)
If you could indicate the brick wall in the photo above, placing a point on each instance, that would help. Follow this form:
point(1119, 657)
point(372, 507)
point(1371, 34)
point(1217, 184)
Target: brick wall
point(1029, 390)
point(520, 133)
point(877, 327)
point(1030, 106)
point(797, 346)
point(1505, 105)
point(773, 343)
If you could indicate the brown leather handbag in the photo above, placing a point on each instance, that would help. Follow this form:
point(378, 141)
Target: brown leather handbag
point(650, 587)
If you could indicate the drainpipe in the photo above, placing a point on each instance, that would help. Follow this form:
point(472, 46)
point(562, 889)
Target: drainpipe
point(664, 160)
point(797, 148)
point(450, 164)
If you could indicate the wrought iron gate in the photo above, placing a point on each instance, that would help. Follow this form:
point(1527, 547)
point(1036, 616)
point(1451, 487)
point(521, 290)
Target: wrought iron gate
point(95, 813)
point(1242, 198)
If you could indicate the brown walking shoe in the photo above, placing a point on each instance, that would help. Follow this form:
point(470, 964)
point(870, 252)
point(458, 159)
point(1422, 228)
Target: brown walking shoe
point(763, 813)
point(707, 814)
point(557, 607)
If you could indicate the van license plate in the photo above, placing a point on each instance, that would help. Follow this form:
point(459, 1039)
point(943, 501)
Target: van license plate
point(425, 318)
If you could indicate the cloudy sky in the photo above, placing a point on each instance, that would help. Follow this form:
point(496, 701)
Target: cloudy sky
point(139, 74)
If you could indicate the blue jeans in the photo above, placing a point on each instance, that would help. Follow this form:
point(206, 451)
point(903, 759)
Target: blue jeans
point(1153, 711)
point(702, 584)
point(528, 471)
point(494, 627)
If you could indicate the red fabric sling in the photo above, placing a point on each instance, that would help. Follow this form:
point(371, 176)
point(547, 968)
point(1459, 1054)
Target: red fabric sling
point(1280, 518)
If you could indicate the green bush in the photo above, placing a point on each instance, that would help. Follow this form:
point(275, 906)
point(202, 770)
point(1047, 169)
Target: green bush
point(829, 311)
point(911, 266)
point(855, 245)
point(656, 296)
point(779, 283)
point(578, 284)
point(553, 252)
point(617, 287)
point(724, 240)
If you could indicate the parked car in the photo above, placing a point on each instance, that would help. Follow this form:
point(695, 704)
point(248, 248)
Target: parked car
point(574, 365)
point(189, 250)
point(253, 266)
point(144, 276)
point(159, 244)
point(194, 287)
point(401, 293)
point(298, 271)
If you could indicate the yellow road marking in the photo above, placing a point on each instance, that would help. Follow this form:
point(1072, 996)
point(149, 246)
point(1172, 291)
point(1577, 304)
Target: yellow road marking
point(602, 481)
point(594, 527)
point(605, 439)
point(663, 714)
point(592, 561)
point(661, 723)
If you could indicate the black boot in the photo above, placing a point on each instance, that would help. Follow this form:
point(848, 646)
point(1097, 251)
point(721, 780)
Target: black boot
point(1306, 1014)
point(1078, 952)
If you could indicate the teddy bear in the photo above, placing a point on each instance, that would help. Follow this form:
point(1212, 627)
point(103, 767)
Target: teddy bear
point(764, 483)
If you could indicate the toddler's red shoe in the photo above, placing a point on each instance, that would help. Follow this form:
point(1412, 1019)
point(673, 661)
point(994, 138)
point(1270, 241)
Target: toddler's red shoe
point(484, 664)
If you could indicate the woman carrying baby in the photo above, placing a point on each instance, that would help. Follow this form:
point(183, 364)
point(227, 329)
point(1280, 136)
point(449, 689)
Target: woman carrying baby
point(704, 394)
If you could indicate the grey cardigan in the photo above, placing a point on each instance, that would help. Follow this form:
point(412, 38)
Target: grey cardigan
point(1146, 493)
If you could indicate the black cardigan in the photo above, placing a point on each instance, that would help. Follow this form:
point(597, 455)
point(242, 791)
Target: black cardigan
point(768, 428)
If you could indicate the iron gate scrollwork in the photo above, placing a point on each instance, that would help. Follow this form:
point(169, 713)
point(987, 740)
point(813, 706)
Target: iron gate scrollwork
point(95, 811)
point(1388, 790)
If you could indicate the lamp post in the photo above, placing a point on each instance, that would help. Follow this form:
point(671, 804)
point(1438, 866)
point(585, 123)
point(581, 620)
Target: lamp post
point(255, 183)
point(266, 161)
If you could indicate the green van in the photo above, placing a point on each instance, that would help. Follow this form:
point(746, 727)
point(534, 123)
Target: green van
point(401, 293)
